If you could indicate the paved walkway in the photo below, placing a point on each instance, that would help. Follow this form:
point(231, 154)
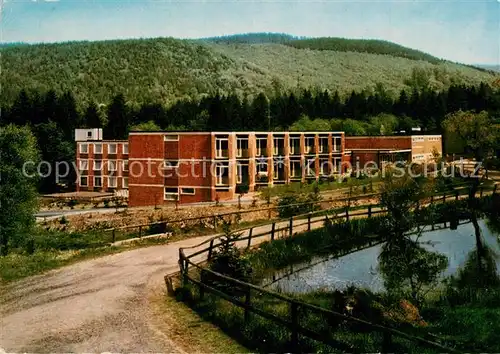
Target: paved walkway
point(99, 305)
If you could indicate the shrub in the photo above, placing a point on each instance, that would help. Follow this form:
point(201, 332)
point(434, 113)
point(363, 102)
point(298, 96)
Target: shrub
point(228, 260)
point(292, 204)
point(242, 188)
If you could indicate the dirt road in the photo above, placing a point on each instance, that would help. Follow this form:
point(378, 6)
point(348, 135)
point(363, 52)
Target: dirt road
point(100, 305)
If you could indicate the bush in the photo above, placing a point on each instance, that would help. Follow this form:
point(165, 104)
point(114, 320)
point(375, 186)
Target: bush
point(242, 188)
point(56, 240)
point(228, 260)
point(292, 204)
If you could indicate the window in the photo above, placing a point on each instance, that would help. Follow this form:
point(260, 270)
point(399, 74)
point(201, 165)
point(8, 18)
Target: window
point(84, 148)
point(261, 167)
point(97, 165)
point(222, 174)
point(239, 174)
point(221, 147)
point(295, 145)
point(111, 165)
point(241, 147)
point(111, 148)
point(89, 134)
point(171, 137)
point(310, 145)
point(97, 181)
point(125, 165)
point(323, 144)
point(171, 163)
point(125, 148)
point(261, 146)
point(337, 165)
point(324, 167)
point(83, 165)
point(311, 167)
point(112, 182)
point(125, 182)
point(97, 148)
point(295, 170)
point(84, 180)
point(336, 144)
point(188, 191)
point(171, 193)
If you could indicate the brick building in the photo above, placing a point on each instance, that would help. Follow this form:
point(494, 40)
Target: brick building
point(102, 164)
point(414, 148)
point(203, 166)
point(153, 168)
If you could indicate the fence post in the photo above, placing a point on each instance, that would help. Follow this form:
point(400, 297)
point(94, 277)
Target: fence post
point(495, 188)
point(113, 235)
point(250, 237)
point(272, 231)
point(247, 303)
point(140, 231)
point(295, 321)
point(386, 342)
point(444, 197)
point(309, 221)
point(432, 199)
point(456, 195)
point(210, 249)
point(201, 290)
point(369, 211)
point(291, 226)
point(347, 214)
point(481, 192)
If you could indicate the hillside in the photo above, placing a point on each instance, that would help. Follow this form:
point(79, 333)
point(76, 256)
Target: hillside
point(166, 69)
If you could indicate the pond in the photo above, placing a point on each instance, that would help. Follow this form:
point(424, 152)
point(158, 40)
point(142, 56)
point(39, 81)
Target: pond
point(360, 268)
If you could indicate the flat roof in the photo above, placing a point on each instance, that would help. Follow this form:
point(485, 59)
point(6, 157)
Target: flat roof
point(393, 136)
point(233, 132)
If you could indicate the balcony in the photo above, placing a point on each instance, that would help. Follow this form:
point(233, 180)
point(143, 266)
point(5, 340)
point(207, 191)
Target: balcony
point(222, 147)
point(222, 181)
point(310, 146)
point(222, 154)
point(242, 153)
point(242, 146)
point(261, 147)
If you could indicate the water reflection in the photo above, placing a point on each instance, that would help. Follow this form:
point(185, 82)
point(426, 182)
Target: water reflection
point(361, 268)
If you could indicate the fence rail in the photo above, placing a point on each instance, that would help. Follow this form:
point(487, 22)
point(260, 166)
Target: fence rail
point(287, 228)
point(213, 219)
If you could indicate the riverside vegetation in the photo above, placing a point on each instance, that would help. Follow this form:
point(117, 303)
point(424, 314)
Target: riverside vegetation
point(460, 313)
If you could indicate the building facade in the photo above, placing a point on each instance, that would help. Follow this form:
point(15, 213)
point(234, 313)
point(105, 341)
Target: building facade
point(161, 167)
point(102, 164)
point(379, 149)
point(153, 168)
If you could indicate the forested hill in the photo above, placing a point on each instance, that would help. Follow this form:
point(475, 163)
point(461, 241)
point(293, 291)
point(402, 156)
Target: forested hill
point(164, 70)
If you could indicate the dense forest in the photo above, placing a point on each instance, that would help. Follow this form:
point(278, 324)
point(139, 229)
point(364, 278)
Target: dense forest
point(164, 70)
point(247, 82)
point(53, 117)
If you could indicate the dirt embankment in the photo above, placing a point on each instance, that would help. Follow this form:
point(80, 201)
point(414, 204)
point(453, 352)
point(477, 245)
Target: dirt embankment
point(141, 216)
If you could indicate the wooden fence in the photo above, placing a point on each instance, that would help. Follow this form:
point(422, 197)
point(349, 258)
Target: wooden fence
point(213, 219)
point(285, 228)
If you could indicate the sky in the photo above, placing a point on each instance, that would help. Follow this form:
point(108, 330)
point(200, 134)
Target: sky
point(462, 31)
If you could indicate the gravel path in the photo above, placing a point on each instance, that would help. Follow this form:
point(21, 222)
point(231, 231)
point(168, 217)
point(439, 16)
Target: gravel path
point(100, 305)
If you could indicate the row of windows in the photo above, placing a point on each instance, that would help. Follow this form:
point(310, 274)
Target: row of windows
point(112, 148)
point(222, 145)
point(172, 193)
point(98, 164)
point(434, 138)
point(112, 182)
